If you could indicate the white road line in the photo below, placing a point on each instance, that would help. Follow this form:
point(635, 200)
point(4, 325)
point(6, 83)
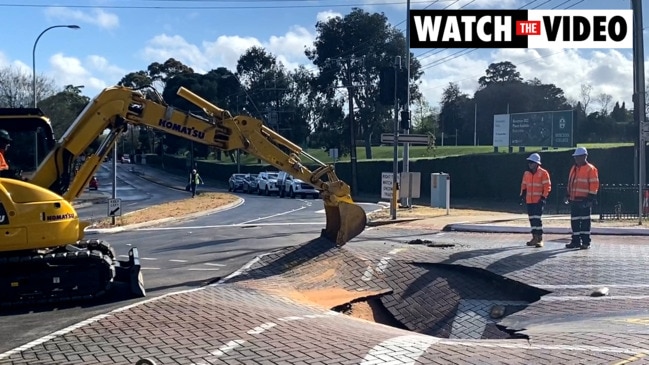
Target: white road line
point(176, 260)
point(229, 346)
point(589, 286)
point(528, 346)
point(149, 268)
point(380, 267)
point(236, 225)
point(51, 336)
point(148, 258)
point(99, 317)
point(260, 329)
point(203, 269)
point(400, 350)
point(583, 297)
point(273, 215)
point(211, 264)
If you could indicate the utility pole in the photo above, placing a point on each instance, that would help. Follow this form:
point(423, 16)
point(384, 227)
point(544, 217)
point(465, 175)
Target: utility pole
point(114, 192)
point(395, 162)
point(639, 100)
point(406, 106)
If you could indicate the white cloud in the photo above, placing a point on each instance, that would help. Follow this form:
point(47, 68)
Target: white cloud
point(226, 50)
point(97, 17)
point(608, 71)
point(95, 74)
point(324, 16)
point(101, 65)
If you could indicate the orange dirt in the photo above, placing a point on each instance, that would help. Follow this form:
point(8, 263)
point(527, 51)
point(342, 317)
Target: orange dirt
point(174, 209)
point(327, 297)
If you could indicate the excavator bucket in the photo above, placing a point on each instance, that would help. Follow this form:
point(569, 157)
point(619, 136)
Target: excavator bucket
point(344, 222)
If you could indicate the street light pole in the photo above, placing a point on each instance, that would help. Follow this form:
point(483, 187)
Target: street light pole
point(71, 26)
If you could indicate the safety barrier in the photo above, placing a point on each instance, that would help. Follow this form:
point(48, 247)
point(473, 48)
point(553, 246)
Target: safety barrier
point(614, 201)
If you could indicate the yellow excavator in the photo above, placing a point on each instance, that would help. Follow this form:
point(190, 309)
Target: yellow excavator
point(43, 254)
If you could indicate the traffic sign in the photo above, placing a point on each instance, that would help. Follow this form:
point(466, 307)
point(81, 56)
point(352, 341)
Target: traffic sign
point(388, 138)
point(114, 207)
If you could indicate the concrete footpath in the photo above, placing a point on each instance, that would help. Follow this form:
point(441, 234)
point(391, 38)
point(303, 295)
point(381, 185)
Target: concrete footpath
point(417, 292)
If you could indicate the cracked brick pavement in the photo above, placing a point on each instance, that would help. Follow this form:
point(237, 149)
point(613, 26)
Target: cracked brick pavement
point(443, 296)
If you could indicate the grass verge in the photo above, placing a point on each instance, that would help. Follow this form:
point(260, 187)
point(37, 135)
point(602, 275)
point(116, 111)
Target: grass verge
point(173, 209)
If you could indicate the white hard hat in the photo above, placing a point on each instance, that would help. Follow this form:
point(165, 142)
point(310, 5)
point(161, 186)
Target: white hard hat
point(535, 157)
point(580, 151)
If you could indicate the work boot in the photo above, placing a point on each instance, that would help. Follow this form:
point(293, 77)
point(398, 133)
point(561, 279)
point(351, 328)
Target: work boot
point(539, 240)
point(573, 245)
point(533, 241)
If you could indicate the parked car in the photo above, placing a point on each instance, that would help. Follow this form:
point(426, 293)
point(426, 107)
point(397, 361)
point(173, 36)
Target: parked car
point(292, 187)
point(93, 184)
point(267, 183)
point(250, 183)
point(126, 159)
point(235, 182)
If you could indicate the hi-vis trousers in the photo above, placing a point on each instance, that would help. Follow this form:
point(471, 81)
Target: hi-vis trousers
point(535, 213)
point(580, 212)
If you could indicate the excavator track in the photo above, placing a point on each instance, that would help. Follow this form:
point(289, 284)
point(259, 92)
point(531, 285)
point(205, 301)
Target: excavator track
point(81, 271)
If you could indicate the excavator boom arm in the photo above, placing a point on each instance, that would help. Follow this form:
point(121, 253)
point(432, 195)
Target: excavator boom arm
point(118, 107)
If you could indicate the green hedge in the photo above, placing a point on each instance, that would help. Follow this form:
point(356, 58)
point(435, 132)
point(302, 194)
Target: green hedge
point(472, 176)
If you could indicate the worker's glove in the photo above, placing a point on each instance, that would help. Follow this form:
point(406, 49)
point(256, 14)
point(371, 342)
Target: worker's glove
point(566, 199)
point(521, 198)
point(542, 201)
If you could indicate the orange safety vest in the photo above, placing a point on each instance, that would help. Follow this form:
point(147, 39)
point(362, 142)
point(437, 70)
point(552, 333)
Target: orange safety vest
point(3, 163)
point(583, 180)
point(537, 184)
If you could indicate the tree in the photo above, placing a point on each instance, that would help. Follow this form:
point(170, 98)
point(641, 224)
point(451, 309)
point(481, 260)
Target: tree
point(136, 80)
point(267, 81)
point(16, 88)
point(500, 72)
point(349, 52)
point(453, 116)
point(604, 100)
point(425, 118)
point(160, 73)
point(63, 108)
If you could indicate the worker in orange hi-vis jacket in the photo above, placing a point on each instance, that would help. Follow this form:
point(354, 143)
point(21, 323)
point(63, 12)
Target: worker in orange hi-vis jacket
point(5, 140)
point(535, 188)
point(581, 194)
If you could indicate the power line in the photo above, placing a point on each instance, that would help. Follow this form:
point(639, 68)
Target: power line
point(211, 7)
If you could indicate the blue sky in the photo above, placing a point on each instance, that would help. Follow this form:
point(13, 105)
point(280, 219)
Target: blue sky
point(119, 36)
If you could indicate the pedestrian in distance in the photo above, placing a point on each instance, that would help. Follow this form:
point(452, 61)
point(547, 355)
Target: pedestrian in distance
point(581, 194)
point(535, 188)
point(194, 179)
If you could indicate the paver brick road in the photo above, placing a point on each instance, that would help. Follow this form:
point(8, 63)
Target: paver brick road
point(443, 296)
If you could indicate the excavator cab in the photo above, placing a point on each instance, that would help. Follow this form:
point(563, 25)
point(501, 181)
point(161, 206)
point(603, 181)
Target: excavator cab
point(32, 139)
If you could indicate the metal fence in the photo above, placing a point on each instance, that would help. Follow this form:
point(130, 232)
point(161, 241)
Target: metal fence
point(614, 201)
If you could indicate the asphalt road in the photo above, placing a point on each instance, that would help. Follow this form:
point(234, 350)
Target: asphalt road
point(179, 256)
point(136, 193)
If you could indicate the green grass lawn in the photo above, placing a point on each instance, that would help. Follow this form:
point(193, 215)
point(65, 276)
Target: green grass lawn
point(421, 152)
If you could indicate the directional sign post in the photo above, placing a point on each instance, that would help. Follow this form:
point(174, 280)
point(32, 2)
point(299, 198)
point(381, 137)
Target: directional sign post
point(422, 139)
point(114, 207)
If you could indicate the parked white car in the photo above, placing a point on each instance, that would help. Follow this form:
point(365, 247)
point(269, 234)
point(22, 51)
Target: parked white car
point(292, 187)
point(267, 183)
